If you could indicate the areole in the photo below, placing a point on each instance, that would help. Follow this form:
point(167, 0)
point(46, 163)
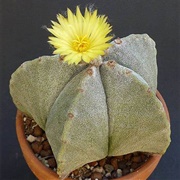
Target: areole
point(44, 173)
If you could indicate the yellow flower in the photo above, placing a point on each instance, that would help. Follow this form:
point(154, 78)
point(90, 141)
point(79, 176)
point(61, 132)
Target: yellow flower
point(79, 37)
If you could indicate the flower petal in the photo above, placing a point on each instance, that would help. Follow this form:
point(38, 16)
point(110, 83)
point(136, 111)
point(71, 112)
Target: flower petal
point(79, 37)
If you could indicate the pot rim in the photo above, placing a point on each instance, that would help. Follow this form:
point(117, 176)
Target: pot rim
point(34, 163)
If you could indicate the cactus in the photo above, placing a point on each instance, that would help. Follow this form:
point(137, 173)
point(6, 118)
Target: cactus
point(90, 112)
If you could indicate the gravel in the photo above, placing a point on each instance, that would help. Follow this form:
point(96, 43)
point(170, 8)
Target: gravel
point(104, 169)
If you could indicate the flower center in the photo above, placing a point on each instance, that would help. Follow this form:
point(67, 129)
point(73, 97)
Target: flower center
point(81, 44)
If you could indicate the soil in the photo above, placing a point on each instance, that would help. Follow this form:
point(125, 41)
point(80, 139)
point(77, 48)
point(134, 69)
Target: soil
point(107, 168)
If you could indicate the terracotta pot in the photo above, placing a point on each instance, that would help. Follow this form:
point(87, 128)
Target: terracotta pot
point(44, 173)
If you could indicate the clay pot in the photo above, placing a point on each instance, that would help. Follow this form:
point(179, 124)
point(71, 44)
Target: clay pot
point(44, 173)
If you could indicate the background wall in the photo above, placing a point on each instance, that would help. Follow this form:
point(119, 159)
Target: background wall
point(23, 38)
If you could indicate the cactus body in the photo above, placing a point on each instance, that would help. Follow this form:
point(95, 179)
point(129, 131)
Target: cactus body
point(36, 85)
point(92, 112)
point(80, 122)
point(134, 112)
point(137, 52)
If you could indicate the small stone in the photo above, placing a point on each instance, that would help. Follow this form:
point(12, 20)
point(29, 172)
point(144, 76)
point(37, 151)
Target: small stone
point(105, 178)
point(46, 145)
point(33, 125)
point(37, 131)
point(125, 171)
point(122, 164)
point(144, 157)
point(99, 170)
point(114, 174)
point(31, 138)
point(96, 175)
point(75, 172)
point(44, 153)
point(128, 156)
point(102, 162)
point(39, 139)
point(119, 173)
point(44, 136)
point(94, 163)
point(83, 170)
point(36, 147)
point(28, 121)
point(108, 175)
point(47, 165)
point(29, 131)
point(52, 162)
point(134, 165)
point(87, 166)
point(128, 163)
point(114, 163)
point(44, 161)
point(72, 175)
point(55, 169)
point(24, 118)
point(109, 168)
point(108, 160)
point(136, 159)
point(87, 174)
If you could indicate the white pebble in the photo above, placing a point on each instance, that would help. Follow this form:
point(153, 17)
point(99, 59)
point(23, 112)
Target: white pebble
point(54, 169)
point(31, 138)
point(108, 175)
point(72, 175)
point(47, 165)
point(119, 173)
point(98, 169)
point(40, 139)
point(87, 166)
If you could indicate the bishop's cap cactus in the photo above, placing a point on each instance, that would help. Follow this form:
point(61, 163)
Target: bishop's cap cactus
point(90, 111)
